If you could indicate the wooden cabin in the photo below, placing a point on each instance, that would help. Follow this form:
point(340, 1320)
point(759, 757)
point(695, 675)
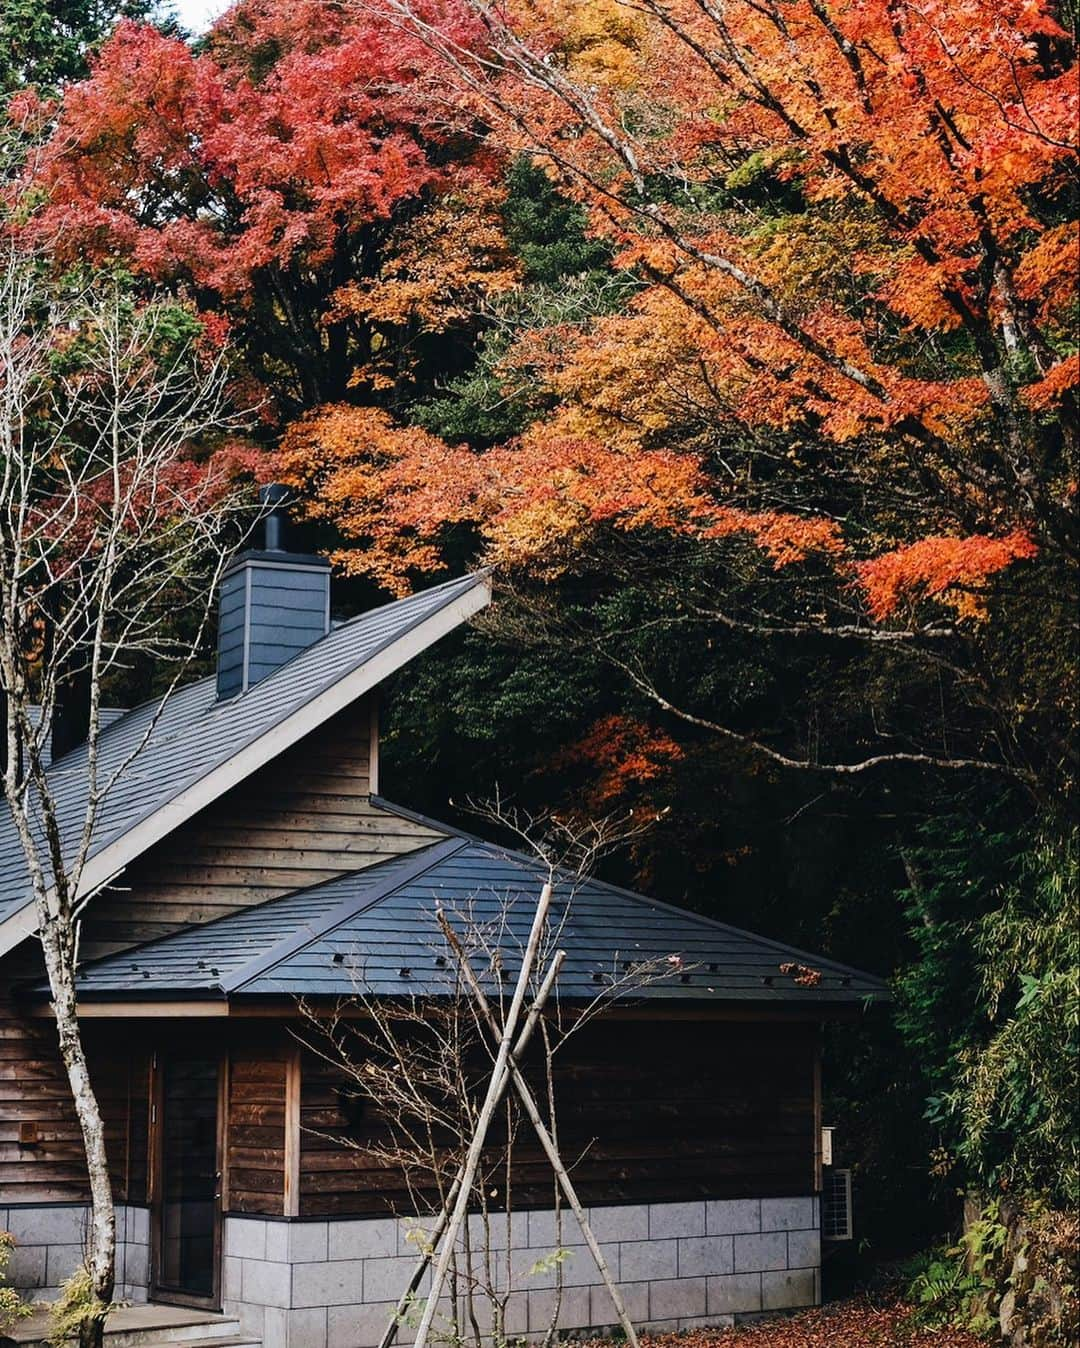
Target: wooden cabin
point(245, 873)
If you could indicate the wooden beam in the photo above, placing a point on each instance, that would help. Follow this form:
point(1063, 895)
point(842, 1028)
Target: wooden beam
point(224, 1123)
point(373, 747)
point(291, 1191)
point(146, 1010)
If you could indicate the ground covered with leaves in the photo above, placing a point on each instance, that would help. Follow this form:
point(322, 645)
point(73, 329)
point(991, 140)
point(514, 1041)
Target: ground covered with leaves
point(855, 1323)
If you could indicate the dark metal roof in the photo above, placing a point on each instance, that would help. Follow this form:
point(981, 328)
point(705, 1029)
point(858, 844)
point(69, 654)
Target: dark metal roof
point(175, 746)
point(374, 931)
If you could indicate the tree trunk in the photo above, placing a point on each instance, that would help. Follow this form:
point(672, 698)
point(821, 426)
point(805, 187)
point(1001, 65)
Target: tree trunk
point(101, 1254)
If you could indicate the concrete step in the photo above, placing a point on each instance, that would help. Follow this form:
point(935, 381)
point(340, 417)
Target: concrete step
point(232, 1341)
point(148, 1326)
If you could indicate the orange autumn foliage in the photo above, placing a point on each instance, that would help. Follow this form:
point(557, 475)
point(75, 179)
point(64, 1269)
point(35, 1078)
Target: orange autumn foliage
point(440, 268)
point(394, 489)
point(617, 755)
point(911, 298)
point(954, 570)
point(844, 219)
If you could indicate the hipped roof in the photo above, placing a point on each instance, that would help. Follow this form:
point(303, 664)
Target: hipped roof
point(374, 932)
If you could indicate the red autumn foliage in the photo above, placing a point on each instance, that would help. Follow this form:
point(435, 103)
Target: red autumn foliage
point(187, 485)
point(209, 167)
point(263, 171)
point(918, 298)
point(616, 756)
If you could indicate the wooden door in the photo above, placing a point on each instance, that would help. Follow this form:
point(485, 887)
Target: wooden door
point(186, 1208)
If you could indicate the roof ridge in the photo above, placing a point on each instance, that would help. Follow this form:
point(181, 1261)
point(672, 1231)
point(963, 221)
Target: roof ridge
point(207, 678)
point(478, 574)
point(470, 576)
point(640, 899)
point(424, 859)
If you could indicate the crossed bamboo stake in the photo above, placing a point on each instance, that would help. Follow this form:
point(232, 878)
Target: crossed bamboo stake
point(505, 1071)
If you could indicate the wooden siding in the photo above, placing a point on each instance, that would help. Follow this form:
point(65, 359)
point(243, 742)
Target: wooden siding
point(304, 818)
point(41, 1151)
point(255, 1132)
point(652, 1111)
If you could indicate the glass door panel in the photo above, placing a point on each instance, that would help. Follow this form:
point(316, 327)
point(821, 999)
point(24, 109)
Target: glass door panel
point(189, 1178)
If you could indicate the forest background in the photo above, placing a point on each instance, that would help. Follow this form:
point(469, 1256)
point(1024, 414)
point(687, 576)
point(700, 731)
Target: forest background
point(741, 340)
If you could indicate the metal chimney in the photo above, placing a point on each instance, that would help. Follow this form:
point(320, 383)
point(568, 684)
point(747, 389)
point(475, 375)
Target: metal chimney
point(273, 604)
point(273, 496)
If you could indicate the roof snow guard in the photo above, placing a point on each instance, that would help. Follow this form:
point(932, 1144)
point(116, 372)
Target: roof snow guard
point(375, 932)
point(189, 750)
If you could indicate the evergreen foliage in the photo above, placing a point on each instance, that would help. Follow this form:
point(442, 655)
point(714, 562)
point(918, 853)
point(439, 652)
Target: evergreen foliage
point(47, 43)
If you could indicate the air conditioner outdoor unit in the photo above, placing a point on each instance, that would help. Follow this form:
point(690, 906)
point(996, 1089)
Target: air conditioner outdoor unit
point(836, 1204)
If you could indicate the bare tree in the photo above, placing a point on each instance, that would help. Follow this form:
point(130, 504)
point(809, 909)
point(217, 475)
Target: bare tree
point(437, 1070)
point(110, 527)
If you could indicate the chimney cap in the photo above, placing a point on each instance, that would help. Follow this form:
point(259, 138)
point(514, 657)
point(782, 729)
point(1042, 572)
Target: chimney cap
point(273, 494)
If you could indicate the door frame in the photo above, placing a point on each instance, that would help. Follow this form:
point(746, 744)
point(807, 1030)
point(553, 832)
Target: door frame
point(159, 1056)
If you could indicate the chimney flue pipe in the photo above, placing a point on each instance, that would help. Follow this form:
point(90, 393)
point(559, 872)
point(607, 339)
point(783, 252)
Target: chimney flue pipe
point(274, 495)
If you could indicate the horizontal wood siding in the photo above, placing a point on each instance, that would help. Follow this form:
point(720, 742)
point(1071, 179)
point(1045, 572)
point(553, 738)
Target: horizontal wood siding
point(649, 1111)
point(304, 818)
point(41, 1152)
point(255, 1133)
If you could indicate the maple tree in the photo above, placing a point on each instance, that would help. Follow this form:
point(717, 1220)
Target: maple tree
point(849, 338)
point(266, 173)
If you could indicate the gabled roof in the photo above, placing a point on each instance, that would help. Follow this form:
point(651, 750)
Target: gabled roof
point(186, 753)
point(375, 931)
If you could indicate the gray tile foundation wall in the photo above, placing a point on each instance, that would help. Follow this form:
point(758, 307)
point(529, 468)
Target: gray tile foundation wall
point(333, 1284)
point(51, 1239)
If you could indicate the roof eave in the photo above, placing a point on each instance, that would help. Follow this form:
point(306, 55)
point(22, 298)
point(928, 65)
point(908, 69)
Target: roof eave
point(135, 1004)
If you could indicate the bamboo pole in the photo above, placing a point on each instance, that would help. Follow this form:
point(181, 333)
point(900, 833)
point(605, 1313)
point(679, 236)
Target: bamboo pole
point(496, 1087)
point(390, 1333)
point(528, 1102)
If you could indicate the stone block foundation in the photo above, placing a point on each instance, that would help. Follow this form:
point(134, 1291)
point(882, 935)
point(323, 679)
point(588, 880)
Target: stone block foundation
point(334, 1283)
point(51, 1240)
